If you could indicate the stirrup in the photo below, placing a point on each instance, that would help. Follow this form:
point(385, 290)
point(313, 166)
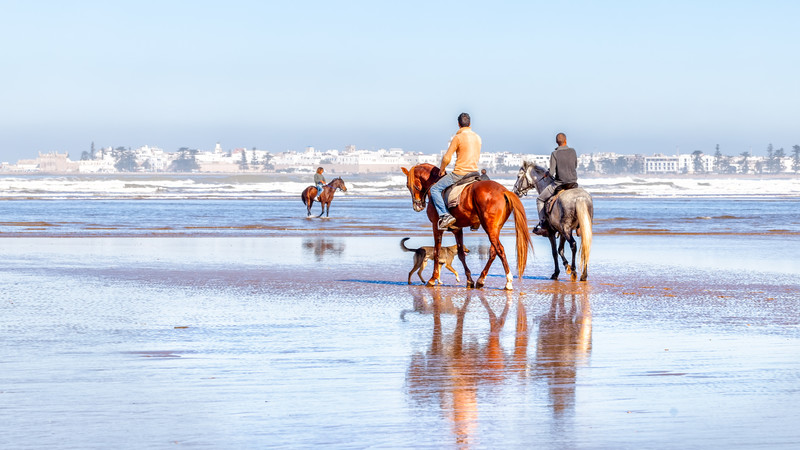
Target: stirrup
point(446, 221)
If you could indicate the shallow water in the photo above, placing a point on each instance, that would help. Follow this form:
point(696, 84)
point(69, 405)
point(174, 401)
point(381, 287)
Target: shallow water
point(253, 342)
point(372, 216)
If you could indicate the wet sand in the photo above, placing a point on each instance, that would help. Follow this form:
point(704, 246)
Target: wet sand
point(239, 342)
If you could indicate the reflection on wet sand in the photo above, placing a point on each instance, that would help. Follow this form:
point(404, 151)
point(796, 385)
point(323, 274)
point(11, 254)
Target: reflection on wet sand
point(423, 306)
point(321, 246)
point(454, 371)
point(564, 343)
point(451, 372)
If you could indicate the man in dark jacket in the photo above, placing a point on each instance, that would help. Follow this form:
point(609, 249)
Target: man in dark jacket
point(564, 169)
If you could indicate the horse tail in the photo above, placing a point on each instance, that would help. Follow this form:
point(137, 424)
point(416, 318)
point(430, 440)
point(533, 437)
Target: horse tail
point(403, 245)
point(521, 226)
point(585, 223)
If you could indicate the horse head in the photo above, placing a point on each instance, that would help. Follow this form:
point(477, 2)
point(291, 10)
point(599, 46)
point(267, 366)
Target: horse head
point(338, 183)
point(419, 180)
point(531, 176)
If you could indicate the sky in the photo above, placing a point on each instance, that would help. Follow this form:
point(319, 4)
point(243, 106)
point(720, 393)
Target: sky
point(615, 76)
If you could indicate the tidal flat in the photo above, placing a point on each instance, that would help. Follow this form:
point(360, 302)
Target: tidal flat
point(258, 342)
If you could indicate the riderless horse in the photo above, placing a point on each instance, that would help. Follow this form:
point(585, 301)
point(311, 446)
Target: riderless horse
point(310, 193)
point(485, 204)
point(567, 211)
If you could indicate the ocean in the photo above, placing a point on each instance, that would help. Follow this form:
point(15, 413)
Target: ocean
point(269, 205)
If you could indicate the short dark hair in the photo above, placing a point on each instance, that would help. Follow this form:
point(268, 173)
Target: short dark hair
point(463, 120)
point(561, 139)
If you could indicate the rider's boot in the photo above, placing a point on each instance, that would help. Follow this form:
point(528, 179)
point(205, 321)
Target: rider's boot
point(540, 229)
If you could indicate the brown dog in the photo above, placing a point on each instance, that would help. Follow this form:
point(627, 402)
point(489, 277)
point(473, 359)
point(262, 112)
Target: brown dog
point(423, 254)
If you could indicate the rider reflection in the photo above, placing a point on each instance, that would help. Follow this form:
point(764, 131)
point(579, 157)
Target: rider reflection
point(451, 372)
point(564, 343)
point(320, 247)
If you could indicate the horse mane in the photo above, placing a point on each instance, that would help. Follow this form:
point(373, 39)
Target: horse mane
point(538, 167)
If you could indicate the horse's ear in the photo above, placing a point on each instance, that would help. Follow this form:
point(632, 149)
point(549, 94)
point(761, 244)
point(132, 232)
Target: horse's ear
point(405, 171)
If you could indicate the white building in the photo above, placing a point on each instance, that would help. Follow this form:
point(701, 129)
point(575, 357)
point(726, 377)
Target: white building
point(659, 163)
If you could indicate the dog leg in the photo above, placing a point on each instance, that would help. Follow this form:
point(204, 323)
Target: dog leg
point(451, 269)
point(421, 268)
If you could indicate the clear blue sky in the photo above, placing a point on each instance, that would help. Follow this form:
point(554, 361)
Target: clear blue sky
point(630, 77)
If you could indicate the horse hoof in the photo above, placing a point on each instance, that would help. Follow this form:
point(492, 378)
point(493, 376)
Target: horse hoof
point(470, 284)
point(574, 276)
point(431, 283)
point(583, 278)
point(554, 276)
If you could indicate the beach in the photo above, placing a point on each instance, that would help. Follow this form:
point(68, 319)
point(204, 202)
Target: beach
point(309, 341)
point(212, 313)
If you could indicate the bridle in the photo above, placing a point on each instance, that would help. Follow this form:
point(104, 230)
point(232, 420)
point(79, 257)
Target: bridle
point(423, 196)
point(530, 181)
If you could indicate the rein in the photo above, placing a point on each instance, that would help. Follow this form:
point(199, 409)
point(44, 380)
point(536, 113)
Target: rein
point(534, 183)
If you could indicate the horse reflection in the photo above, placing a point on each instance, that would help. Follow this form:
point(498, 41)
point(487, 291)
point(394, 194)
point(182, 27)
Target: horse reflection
point(423, 306)
point(323, 246)
point(564, 343)
point(453, 370)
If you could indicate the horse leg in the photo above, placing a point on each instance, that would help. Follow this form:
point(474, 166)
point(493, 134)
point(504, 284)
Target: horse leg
point(556, 270)
point(328, 208)
point(437, 246)
point(561, 241)
point(482, 276)
point(462, 255)
point(573, 246)
point(496, 250)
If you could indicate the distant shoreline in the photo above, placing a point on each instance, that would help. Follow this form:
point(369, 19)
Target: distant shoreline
point(743, 176)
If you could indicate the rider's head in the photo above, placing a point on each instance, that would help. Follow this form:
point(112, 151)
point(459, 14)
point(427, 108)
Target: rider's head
point(561, 139)
point(320, 170)
point(463, 120)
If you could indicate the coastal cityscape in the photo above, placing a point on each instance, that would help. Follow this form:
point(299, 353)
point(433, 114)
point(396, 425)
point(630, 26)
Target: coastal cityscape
point(351, 160)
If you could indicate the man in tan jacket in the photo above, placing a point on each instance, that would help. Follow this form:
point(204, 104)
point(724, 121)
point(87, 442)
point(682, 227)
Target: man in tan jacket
point(466, 145)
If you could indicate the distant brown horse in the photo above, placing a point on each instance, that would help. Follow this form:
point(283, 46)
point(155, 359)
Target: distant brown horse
point(310, 193)
point(484, 204)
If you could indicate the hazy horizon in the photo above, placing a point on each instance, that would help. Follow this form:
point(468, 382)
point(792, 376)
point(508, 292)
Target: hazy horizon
point(617, 77)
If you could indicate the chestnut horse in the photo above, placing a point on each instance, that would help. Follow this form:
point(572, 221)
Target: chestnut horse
point(310, 193)
point(484, 204)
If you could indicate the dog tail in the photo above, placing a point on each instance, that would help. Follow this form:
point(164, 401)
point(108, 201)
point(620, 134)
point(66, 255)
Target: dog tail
point(403, 246)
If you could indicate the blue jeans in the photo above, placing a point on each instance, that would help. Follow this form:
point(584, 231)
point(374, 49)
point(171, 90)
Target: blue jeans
point(436, 191)
point(320, 189)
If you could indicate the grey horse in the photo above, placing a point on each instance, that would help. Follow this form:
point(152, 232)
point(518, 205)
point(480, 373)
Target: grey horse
point(571, 211)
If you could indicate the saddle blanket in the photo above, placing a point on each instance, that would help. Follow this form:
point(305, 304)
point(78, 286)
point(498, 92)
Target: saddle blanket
point(453, 193)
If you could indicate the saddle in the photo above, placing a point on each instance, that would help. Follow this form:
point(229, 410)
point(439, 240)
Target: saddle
point(452, 194)
point(559, 190)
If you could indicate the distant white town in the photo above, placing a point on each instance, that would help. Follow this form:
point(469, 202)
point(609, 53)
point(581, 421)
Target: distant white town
point(351, 160)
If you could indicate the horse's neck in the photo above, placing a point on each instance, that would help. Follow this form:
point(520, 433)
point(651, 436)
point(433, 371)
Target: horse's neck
point(432, 178)
point(544, 183)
